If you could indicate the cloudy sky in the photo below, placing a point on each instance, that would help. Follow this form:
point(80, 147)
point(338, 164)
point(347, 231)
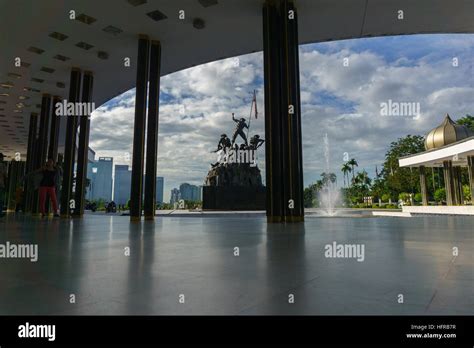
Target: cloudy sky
point(343, 84)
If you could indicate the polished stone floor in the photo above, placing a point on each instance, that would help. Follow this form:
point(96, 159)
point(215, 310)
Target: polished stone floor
point(194, 257)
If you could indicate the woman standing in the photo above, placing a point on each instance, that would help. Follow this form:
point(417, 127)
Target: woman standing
point(48, 187)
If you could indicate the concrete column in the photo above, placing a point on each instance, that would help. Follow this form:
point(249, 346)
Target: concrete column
point(54, 131)
point(83, 146)
point(42, 143)
point(470, 170)
point(423, 186)
point(30, 160)
point(448, 182)
point(70, 146)
point(458, 187)
point(139, 128)
point(152, 131)
point(284, 168)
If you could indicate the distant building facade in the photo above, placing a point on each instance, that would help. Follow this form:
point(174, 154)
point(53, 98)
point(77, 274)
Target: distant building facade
point(189, 192)
point(101, 179)
point(160, 181)
point(122, 184)
point(90, 164)
point(175, 196)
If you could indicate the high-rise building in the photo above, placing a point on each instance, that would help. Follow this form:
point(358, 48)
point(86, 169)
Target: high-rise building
point(122, 184)
point(189, 192)
point(90, 163)
point(101, 179)
point(175, 196)
point(159, 189)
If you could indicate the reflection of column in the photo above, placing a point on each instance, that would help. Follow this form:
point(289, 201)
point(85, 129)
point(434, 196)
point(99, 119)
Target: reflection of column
point(284, 167)
point(470, 170)
point(423, 186)
point(448, 182)
point(152, 131)
point(139, 128)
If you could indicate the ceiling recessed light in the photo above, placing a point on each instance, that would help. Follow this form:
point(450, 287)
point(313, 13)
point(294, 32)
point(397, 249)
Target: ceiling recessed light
point(136, 2)
point(112, 30)
point(35, 50)
point(23, 97)
point(156, 15)
point(34, 79)
point(7, 84)
point(48, 70)
point(4, 95)
point(58, 36)
point(61, 57)
point(85, 19)
point(84, 45)
point(18, 76)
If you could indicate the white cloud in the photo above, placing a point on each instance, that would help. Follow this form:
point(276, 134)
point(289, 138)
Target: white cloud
point(343, 102)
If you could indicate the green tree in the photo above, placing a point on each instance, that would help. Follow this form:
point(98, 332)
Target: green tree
point(353, 163)
point(468, 121)
point(440, 195)
point(346, 169)
point(398, 180)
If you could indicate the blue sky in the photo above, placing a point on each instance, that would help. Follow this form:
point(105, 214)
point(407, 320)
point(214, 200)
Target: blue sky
point(340, 100)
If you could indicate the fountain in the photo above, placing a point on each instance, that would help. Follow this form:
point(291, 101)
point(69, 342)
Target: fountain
point(329, 196)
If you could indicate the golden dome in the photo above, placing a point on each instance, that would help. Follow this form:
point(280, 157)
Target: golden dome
point(447, 133)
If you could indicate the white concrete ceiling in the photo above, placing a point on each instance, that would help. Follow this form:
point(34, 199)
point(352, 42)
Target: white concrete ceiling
point(232, 27)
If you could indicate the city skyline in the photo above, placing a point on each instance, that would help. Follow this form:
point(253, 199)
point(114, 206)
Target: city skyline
point(338, 100)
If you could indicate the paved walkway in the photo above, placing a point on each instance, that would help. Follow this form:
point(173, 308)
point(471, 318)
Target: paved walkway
point(194, 257)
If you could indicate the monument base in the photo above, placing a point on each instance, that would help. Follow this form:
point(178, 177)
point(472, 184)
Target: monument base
point(233, 198)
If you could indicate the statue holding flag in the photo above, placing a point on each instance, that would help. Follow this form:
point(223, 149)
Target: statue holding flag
point(235, 181)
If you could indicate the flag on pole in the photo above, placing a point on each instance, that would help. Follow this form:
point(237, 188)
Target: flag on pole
point(255, 101)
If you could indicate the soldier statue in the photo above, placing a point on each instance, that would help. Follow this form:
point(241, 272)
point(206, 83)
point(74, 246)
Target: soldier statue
point(256, 142)
point(224, 143)
point(239, 129)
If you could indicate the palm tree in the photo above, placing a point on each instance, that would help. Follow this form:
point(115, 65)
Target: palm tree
point(353, 163)
point(346, 169)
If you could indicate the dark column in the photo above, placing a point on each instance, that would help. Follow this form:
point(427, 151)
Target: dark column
point(470, 171)
point(30, 161)
point(458, 186)
point(152, 131)
point(42, 143)
point(424, 186)
point(448, 182)
point(16, 171)
point(139, 128)
point(54, 131)
point(83, 147)
point(284, 167)
point(70, 145)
